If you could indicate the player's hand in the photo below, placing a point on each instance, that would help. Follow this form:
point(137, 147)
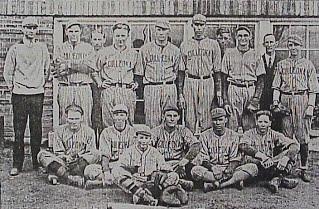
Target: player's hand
point(309, 112)
point(108, 178)
point(181, 102)
point(267, 163)
point(105, 84)
point(180, 170)
point(282, 163)
point(134, 86)
point(228, 109)
point(253, 105)
point(227, 174)
point(220, 101)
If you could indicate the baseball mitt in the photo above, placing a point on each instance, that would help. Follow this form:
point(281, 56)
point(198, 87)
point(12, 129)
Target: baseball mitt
point(280, 108)
point(174, 196)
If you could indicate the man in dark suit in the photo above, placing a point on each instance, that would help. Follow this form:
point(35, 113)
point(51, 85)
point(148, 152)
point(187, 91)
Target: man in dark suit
point(270, 61)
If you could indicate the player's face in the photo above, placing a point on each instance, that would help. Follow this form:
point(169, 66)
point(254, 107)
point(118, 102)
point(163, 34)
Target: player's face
point(97, 40)
point(119, 118)
point(270, 44)
point(171, 118)
point(294, 49)
point(74, 33)
point(74, 119)
point(199, 29)
point(243, 37)
point(119, 37)
point(263, 123)
point(161, 34)
point(219, 123)
point(143, 141)
point(224, 39)
point(30, 31)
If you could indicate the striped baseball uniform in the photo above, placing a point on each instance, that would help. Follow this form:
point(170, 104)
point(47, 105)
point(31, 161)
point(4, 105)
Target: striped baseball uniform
point(173, 145)
point(158, 66)
point(117, 68)
point(219, 151)
point(200, 60)
point(242, 70)
point(67, 142)
point(295, 79)
point(75, 88)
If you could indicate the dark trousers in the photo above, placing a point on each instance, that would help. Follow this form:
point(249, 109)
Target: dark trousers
point(25, 106)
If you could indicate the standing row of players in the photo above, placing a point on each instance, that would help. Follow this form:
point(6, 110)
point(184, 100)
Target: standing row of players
point(193, 75)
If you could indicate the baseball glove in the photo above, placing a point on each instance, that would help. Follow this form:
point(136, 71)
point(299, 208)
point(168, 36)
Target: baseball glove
point(280, 108)
point(253, 105)
point(174, 196)
point(159, 178)
point(180, 170)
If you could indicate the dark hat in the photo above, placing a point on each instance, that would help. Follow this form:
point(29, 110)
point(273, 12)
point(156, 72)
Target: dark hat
point(199, 18)
point(218, 112)
point(120, 108)
point(169, 107)
point(295, 39)
point(243, 28)
point(222, 30)
point(162, 24)
point(142, 129)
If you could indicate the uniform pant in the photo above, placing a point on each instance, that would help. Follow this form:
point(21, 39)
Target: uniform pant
point(156, 97)
point(238, 98)
point(93, 171)
point(199, 95)
point(112, 96)
point(25, 106)
point(79, 95)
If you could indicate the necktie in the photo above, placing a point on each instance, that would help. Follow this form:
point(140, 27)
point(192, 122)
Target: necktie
point(269, 64)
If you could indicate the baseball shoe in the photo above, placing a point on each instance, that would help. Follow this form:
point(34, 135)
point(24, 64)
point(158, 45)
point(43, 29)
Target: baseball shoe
point(185, 184)
point(289, 183)
point(304, 176)
point(14, 172)
point(273, 185)
point(77, 181)
point(211, 186)
point(93, 184)
point(53, 179)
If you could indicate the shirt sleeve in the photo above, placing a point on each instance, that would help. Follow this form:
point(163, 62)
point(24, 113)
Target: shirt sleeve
point(313, 84)
point(183, 63)
point(105, 145)
point(91, 142)
point(46, 61)
point(226, 63)
point(260, 67)
point(233, 149)
point(276, 84)
point(216, 57)
point(178, 58)
point(125, 158)
point(58, 146)
point(189, 137)
point(9, 66)
point(283, 142)
point(140, 63)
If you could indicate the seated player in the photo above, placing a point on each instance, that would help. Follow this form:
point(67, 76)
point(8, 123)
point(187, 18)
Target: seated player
point(143, 172)
point(219, 160)
point(113, 141)
point(177, 143)
point(74, 148)
point(273, 153)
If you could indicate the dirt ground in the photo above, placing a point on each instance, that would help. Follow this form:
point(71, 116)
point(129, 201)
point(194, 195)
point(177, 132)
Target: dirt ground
point(31, 190)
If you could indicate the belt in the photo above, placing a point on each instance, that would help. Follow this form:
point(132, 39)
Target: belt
point(74, 84)
point(121, 85)
point(198, 77)
point(242, 84)
point(294, 93)
point(159, 83)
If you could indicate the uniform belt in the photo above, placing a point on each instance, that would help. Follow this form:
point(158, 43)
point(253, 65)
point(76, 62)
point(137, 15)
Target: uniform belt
point(159, 83)
point(198, 77)
point(294, 93)
point(74, 84)
point(121, 85)
point(242, 84)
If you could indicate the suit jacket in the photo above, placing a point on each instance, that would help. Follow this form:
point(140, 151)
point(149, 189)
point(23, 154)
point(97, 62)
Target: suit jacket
point(267, 95)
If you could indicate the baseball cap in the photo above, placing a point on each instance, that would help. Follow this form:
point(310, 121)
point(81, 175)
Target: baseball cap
point(295, 39)
point(71, 23)
point(120, 108)
point(142, 129)
point(199, 18)
point(169, 107)
point(222, 30)
point(30, 21)
point(243, 28)
point(218, 112)
point(162, 24)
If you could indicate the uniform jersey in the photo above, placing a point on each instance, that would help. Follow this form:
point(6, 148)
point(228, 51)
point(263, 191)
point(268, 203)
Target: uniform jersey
point(157, 63)
point(147, 162)
point(200, 57)
point(116, 66)
point(173, 145)
point(242, 67)
point(219, 150)
point(65, 53)
point(296, 75)
point(69, 142)
point(114, 142)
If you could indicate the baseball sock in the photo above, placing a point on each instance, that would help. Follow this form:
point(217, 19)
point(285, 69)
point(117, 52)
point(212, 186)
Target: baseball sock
point(304, 152)
point(237, 177)
point(128, 185)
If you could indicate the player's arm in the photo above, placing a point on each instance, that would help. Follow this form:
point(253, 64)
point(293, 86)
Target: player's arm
point(9, 67)
point(193, 143)
point(181, 79)
point(287, 147)
point(46, 61)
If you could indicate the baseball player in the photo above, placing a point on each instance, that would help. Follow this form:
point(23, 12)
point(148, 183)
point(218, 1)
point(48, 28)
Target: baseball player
point(224, 39)
point(143, 172)
point(72, 72)
point(113, 141)
point(158, 64)
point(116, 65)
point(74, 148)
point(243, 70)
point(295, 86)
point(177, 144)
point(273, 153)
point(26, 70)
point(97, 41)
point(218, 162)
point(201, 61)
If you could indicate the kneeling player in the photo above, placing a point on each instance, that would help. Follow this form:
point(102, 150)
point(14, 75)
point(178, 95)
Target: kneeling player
point(219, 160)
point(143, 172)
point(273, 153)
